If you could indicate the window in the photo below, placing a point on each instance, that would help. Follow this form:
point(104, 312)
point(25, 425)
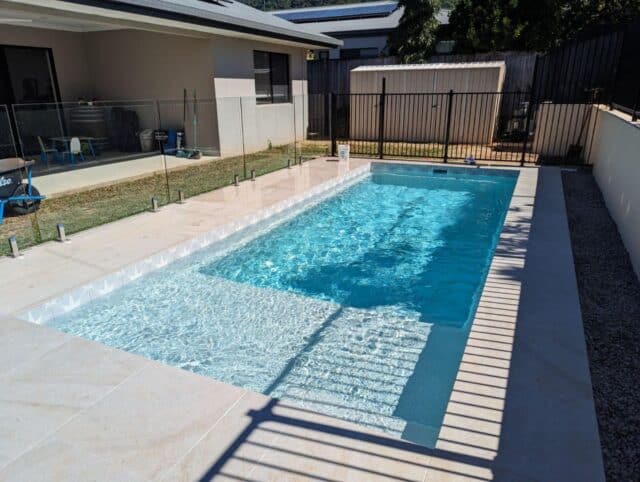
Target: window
point(271, 73)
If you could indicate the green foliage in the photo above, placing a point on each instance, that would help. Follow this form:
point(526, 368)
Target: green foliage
point(415, 38)
point(493, 25)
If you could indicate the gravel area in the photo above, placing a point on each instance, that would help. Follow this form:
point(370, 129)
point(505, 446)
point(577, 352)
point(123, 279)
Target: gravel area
point(610, 302)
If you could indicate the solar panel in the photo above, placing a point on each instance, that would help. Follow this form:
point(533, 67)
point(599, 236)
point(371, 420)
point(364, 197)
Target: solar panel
point(339, 13)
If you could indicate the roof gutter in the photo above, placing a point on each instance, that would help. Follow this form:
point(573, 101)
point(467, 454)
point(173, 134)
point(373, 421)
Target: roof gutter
point(181, 17)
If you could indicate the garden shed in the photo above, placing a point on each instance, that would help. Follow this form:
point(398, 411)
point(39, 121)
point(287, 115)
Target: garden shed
point(425, 89)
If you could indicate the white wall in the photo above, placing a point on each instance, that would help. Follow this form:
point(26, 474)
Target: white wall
point(234, 79)
point(616, 166)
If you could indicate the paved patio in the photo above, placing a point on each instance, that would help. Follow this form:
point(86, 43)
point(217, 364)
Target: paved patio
point(521, 407)
point(98, 175)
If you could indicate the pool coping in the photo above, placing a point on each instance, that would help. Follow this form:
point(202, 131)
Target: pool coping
point(97, 288)
point(473, 443)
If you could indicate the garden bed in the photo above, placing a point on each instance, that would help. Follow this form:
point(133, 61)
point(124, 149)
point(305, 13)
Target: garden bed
point(610, 302)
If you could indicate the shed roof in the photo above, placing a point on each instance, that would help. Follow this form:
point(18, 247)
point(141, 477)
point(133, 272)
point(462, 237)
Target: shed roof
point(435, 66)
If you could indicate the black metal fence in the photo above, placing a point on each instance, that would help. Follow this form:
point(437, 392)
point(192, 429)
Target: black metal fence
point(603, 62)
point(471, 126)
point(443, 126)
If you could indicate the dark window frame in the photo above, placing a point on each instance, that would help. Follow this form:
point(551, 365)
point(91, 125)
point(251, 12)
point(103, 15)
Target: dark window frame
point(271, 99)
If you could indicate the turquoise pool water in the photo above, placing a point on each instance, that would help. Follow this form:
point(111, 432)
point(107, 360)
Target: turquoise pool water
point(359, 306)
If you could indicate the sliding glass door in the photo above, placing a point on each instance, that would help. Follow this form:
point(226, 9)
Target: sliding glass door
point(27, 76)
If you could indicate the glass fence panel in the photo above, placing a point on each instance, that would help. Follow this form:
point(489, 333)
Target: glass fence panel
point(99, 163)
point(16, 221)
point(106, 131)
point(206, 129)
point(310, 143)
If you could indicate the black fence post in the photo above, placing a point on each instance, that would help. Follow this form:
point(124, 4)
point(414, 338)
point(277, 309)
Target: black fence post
point(333, 118)
point(382, 101)
point(527, 124)
point(326, 99)
point(448, 131)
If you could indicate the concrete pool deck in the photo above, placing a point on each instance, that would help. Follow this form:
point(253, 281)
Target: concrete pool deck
point(521, 407)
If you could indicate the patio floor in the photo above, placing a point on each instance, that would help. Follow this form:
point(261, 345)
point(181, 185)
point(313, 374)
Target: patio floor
point(521, 407)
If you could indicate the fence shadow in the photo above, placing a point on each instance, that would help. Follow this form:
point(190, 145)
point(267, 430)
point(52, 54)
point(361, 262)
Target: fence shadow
point(308, 445)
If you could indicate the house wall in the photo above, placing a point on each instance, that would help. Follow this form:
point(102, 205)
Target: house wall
point(368, 41)
point(235, 98)
point(138, 67)
point(136, 64)
point(69, 56)
point(616, 144)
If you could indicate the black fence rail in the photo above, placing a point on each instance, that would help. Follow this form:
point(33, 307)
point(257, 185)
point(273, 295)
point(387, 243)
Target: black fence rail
point(470, 126)
point(450, 125)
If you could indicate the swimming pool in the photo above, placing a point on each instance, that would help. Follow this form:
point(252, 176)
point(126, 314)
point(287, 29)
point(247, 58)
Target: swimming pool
point(357, 305)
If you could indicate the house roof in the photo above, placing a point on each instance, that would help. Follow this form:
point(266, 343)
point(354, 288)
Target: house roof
point(366, 17)
point(221, 14)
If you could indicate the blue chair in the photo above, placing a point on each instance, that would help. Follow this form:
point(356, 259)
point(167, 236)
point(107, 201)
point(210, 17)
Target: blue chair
point(45, 153)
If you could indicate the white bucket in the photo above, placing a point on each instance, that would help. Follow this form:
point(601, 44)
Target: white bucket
point(343, 152)
point(146, 140)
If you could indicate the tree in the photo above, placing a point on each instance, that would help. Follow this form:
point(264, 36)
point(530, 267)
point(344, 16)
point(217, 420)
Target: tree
point(413, 41)
point(580, 15)
point(494, 25)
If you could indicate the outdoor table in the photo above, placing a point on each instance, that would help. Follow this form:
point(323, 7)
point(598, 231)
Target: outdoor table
point(66, 141)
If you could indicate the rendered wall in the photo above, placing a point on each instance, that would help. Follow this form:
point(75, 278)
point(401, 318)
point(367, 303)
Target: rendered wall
point(261, 124)
point(135, 65)
point(139, 65)
point(616, 167)
point(69, 56)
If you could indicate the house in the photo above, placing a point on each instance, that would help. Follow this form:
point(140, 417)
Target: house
point(144, 54)
point(363, 27)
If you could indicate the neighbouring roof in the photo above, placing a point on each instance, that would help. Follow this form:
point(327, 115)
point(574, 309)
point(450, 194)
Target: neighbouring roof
point(341, 12)
point(222, 14)
point(383, 16)
point(435, 66)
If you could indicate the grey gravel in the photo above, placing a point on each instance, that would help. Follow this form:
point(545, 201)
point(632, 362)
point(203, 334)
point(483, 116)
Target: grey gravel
point(610, 303)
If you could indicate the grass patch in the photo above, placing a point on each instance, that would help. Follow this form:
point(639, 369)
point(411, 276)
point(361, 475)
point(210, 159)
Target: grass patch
point(93, 207)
